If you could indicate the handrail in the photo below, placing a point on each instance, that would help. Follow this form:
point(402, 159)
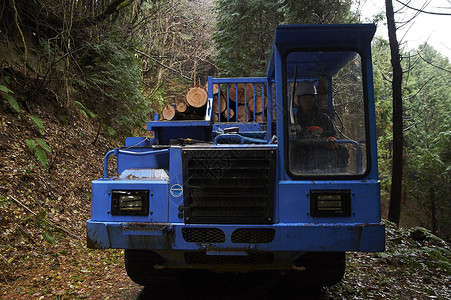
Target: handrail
point(118, 151)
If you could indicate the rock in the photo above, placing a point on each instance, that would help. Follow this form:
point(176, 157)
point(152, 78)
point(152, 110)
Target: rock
point(418, 235)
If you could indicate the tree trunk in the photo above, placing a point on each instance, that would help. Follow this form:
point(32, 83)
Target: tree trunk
point(433, 211)
point(397, 161)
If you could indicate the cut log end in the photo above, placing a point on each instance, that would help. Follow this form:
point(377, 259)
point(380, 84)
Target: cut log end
point(196, 97)
point(228, 113)
point(168, 112)
point(215, 88)
point(243, 114)
point(182, 107)
point(258, 104)
point(219, 107)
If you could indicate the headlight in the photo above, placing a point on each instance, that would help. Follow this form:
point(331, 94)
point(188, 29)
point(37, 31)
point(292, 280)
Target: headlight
point(330, 203)
point(132, 202)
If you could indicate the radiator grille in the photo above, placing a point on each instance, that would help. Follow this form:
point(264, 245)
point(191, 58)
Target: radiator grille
point(226, 186)
point(253, 235)
point(203, 235)
point(201, 258)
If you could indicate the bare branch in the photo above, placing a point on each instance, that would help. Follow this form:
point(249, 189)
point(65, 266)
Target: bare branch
point(163, 65)
point(422, 10)
point(432, 64)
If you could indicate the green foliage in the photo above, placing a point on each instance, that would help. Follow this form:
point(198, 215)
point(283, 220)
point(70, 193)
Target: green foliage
point(244, 29)
point(243, 35)
point(47, 236)
point(5, 92)
point(83, 110)
point(4, 202)
point(38, 123)
point(315, 12)
point(428, 136)
point(383, 102)
point(39, 148)
point(112, 85)
point(427, 130)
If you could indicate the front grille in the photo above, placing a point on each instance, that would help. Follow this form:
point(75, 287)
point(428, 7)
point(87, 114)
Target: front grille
point(201, 258)
point(228, 186)
point(253, 235)
point(203, 235)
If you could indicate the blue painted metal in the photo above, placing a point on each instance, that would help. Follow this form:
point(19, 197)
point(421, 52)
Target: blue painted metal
point(248, 127)
point(175, 180)
point(138, 142)
point(293, 237)
point(101, 199)
point(227, 82)
point(165, 131)
point(142, 165)
point(141, 162)
point(237, 138)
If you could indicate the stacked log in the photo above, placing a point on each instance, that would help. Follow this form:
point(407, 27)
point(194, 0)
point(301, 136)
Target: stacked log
point(191, 108)
point(219, 106)
point(215, 88)
point(194, 105)
point(244, 90)
point(230, 113)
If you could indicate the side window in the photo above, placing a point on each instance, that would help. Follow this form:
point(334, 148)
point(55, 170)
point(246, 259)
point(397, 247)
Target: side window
point(327, 134)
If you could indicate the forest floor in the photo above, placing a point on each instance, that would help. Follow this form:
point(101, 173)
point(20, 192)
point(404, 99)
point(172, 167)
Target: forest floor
point(43, 213)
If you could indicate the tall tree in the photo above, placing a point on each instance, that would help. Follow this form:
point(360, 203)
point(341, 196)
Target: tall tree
point(243, 35)
point(244, 29)
point(394, 212)
point(427, 135)
point(317, 12)
point(383, 97)
point(397, 91)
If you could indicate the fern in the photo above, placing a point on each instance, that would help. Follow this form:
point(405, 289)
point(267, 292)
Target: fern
point(4, 89)
point(39, 148)
point(40, 155)
point(31, 144)
point(5, 92)
point(43, 145)
point(48, 238)
point(38, 123)
point(84, 111)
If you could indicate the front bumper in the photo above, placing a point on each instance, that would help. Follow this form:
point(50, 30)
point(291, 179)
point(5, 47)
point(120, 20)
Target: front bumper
point(292, 237)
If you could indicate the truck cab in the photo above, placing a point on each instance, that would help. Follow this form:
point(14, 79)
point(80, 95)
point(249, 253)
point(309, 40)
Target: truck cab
point(269, 193)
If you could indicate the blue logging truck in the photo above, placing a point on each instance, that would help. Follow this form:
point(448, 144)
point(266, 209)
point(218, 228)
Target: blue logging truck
point(285, 189)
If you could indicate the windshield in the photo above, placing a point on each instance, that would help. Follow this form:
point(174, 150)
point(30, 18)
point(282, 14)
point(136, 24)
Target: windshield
point(326, 114)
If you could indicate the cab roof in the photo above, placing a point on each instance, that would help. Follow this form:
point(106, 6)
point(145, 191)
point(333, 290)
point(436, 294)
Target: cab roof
point(330, 44)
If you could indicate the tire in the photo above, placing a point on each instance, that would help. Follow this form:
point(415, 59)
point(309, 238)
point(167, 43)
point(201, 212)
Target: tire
point(318, 269)
point(139, 265)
